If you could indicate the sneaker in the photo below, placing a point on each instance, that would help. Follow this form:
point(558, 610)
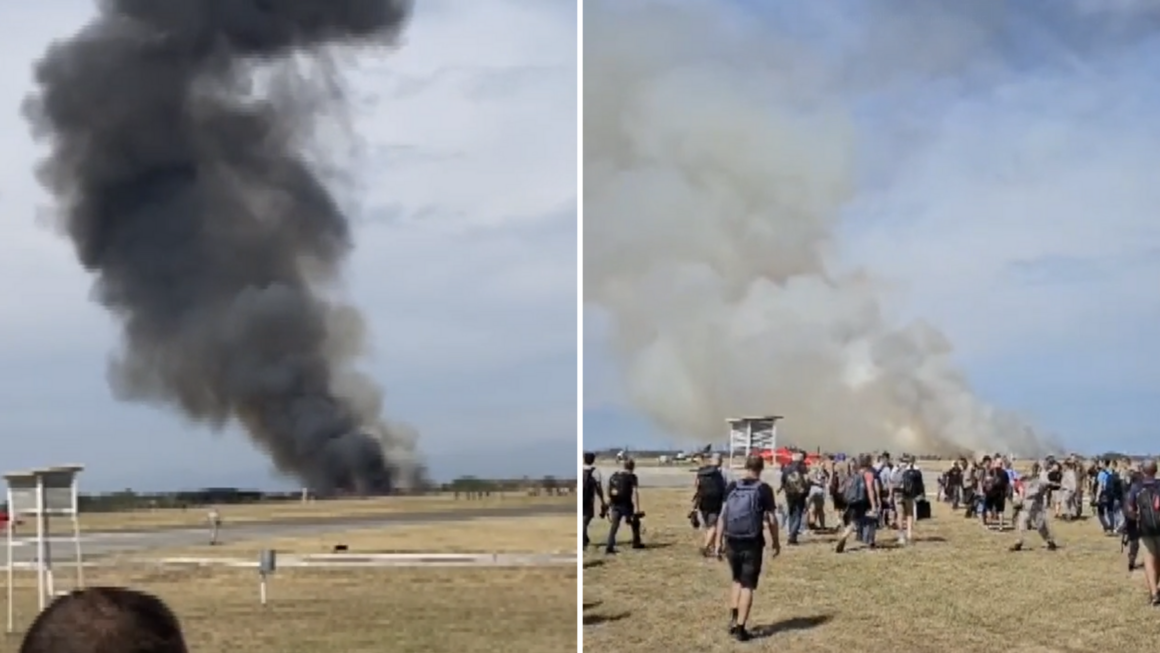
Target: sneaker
point(1018, 546)
point(1156, 599)
point(741, 634)
point(732, 626)
point(609, 552)
point(1051, 546)
point(840, 547)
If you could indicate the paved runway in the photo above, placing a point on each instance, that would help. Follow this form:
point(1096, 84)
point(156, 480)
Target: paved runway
point(103, 544)
point(677, 476)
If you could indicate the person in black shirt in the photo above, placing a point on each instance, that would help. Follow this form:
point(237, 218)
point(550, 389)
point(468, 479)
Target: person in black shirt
point(953, 485)
point(795, 483)
point(749, 506)
point(998, 488)
point(624, 505)
point(708, 497)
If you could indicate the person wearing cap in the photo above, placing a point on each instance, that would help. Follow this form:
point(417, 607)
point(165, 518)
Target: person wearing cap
point(708, 497)
point(906, 505)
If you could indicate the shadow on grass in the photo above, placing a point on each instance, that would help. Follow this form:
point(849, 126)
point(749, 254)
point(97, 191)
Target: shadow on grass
point(657, 545)
point(598, 619)
point(929, 538)
point(590, 564)
point(789, 625)
point(814, 540)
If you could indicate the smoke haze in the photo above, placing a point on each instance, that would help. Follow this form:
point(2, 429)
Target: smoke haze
point(188, 193)
point(719, 157)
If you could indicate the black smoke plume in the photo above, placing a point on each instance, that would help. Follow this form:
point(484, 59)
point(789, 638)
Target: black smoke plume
point(212, 237)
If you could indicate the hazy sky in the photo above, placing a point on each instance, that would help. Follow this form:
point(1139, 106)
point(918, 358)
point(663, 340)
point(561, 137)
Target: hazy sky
point(464, 174)
point(1010, 199)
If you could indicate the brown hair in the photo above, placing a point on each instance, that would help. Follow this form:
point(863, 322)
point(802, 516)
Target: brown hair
point(105, 620)
point(754, 463)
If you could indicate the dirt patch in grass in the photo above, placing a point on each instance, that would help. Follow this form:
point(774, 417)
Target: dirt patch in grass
point(957, 589)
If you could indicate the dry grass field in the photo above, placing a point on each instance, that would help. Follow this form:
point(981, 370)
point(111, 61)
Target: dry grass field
point(957, 589)
point(364, 610)
point(539, 534)
point(144, 520)
point(357, 611)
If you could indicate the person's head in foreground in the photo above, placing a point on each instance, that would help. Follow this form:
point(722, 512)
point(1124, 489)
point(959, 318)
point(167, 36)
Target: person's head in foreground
point(754, 465)
point(105, 620)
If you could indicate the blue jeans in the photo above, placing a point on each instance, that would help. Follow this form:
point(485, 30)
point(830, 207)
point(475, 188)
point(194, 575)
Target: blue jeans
point(623, 514)
point(1109, 515)
point(868, 530)
point(794, 520)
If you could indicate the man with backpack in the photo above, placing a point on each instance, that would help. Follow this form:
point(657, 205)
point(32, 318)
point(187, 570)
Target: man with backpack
point(997, 488)
point(953, 485)
point(746, 516)
point(708, 498)
point(795, 483)
point(591, 491)
point(884, 471)
point(909, 490)
point(819, 485)
point(1108, 492)
point(1143, 507)
point(862, 504)
point(624, 505)
point(1130, 538)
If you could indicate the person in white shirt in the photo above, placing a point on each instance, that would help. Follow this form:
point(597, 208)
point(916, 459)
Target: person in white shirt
point(214, 519)
point(906, 497)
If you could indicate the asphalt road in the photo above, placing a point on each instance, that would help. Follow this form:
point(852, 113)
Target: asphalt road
point(103, 544)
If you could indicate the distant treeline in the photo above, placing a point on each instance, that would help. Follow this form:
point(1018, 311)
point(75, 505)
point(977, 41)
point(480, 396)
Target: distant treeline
point(657, 453)
point(465, 487)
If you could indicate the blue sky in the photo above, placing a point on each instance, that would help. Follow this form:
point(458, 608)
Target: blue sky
point(465, 264)
point(1007, 193)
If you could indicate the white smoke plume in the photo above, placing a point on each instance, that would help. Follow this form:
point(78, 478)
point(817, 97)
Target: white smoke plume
point(718, 160)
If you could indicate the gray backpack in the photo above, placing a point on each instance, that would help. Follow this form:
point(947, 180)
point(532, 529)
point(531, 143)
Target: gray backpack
point(856, 492)
point(743, 512)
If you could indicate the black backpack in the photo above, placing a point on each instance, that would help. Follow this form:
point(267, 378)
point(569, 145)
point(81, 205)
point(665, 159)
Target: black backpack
point(710, 487)
point(796, 484)
point(589, 491)
point(912, 484)
point(620, 489)
point(1148, 510)
point(1113, 488)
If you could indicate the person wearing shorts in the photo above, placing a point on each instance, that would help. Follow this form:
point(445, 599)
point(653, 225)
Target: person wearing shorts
point(709, 508)
point(745, 556)
point(1149, 541)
